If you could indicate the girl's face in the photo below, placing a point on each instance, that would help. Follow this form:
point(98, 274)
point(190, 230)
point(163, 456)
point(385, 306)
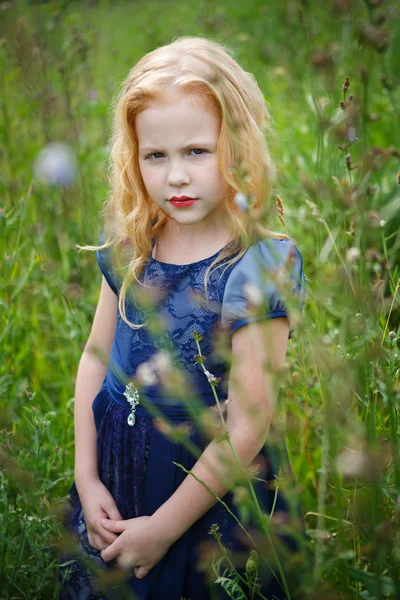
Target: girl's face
point(177, 138)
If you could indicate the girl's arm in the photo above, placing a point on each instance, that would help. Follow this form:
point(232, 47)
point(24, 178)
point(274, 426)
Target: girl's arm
point(91, 372)
point(251, 387)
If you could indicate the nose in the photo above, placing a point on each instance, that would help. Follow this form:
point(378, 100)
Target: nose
point(177, 174)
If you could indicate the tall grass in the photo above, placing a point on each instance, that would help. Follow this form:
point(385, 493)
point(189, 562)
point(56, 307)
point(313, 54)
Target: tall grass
point(330, 71)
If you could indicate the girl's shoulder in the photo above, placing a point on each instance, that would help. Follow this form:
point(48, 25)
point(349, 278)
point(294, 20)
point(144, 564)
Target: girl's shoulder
point(268, 273)
point(271, 253)
point(105, 261)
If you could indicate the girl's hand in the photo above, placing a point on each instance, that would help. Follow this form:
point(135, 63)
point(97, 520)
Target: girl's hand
point(139, 546)
point(97, 503)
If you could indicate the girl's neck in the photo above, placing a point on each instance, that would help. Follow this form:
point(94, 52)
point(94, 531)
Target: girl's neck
point(172, 248)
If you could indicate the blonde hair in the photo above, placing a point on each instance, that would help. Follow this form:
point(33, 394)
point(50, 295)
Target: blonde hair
point(131, 218)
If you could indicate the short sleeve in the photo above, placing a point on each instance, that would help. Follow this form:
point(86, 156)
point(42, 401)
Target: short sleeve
point(105, 263)
point(257, 274)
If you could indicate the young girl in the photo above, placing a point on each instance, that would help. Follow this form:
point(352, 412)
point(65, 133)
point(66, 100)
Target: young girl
point(189, 133)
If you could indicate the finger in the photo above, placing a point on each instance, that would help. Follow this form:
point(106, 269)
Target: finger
point(111, 525)
point(111, 552)
point(92, 542)
point(97, 542)
point(110, 509)
point(113, 512)
point(141, 572)
point(108, 536)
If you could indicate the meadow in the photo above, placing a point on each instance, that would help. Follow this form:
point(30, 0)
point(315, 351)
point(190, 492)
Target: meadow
point(330, 72)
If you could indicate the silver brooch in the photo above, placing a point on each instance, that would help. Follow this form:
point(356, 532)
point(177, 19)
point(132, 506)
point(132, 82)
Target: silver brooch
point(132, 395)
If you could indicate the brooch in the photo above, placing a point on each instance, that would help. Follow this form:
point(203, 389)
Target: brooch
point(132, 395)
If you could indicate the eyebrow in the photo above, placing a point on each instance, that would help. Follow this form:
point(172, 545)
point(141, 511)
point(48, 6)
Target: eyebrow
point(193, 145)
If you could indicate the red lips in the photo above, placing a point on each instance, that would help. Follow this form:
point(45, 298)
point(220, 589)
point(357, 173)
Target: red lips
point(181, 198)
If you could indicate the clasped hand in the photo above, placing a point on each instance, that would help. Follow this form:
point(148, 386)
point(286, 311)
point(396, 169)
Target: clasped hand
point(139, 545)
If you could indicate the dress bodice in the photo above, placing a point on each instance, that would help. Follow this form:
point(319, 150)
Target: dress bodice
point(182, 308)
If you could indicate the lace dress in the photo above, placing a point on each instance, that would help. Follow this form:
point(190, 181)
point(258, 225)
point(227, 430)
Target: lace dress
point(135, 462)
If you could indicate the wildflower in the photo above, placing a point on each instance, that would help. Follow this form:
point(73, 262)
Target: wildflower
point(199, 359)
point(349, 165)
point(146, 373)
point(154, 371)
point(197, 336)
point(252, 563)
point(382, 223)
point(351, 462)
point(56, 165)
point(373, 218)
point(214, 530)
point(392, 335)
point(353, 254)
point(351, 135)
point(162, 362)
point(211, 378)
point(241, 201)
point(253, 294)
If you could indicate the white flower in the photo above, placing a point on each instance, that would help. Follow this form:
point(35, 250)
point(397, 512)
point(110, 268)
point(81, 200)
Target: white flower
point(241, 201)
point(353, 254)
point(162, 361)
point(253, 294)
point(351, 462)
point(146, 373)
point(210, 376)
point(56, 165)
point(154, 371)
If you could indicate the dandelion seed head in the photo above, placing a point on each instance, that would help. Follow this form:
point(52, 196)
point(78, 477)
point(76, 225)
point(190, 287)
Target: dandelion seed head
point(56, 165)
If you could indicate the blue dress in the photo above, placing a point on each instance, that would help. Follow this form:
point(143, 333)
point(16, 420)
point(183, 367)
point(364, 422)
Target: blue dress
point(135, 462)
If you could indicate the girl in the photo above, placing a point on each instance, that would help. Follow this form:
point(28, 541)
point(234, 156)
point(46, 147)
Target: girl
point(187, 115)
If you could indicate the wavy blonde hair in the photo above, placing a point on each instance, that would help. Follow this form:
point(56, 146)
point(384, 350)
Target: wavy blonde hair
point(131, 218)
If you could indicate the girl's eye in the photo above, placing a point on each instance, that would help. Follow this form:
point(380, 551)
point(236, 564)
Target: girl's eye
point(200, 149)
point(153, 155)
point(157, 155)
